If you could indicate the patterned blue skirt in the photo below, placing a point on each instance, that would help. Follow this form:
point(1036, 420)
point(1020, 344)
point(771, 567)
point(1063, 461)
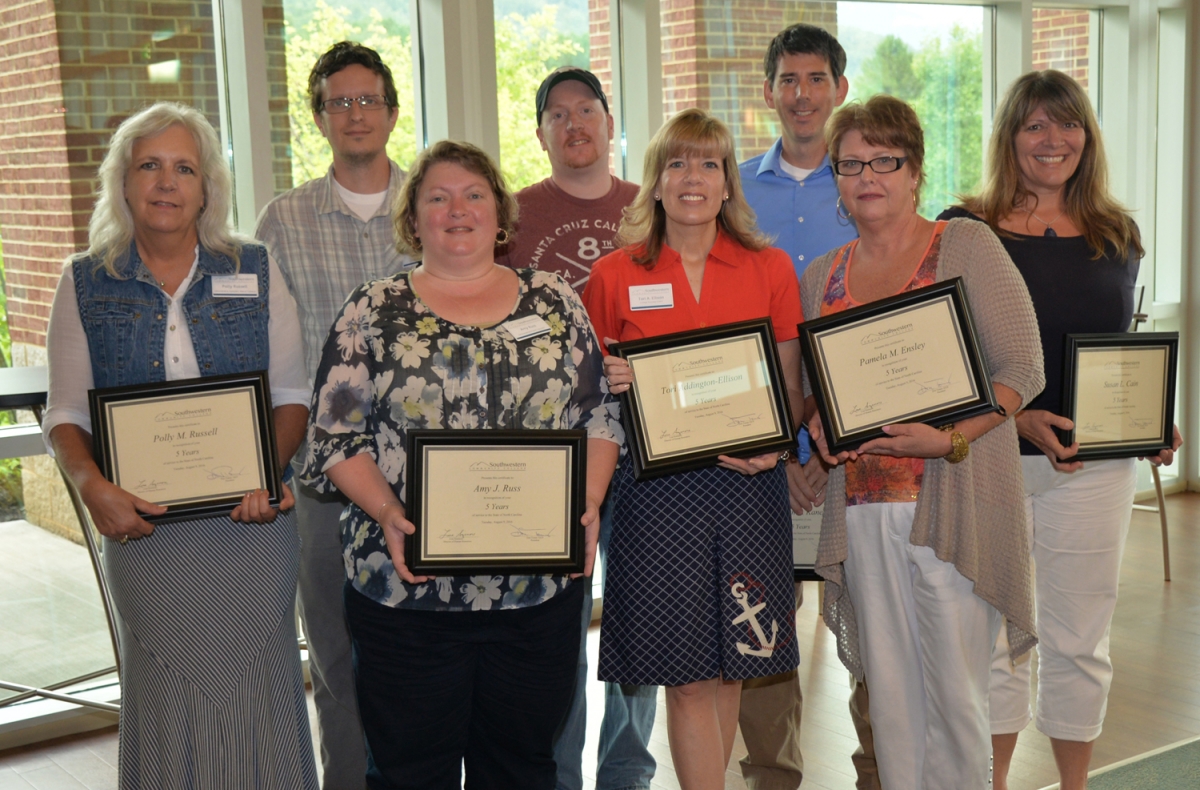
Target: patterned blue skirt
point(699, 578)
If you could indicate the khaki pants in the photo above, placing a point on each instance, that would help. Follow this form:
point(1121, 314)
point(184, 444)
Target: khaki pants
point(770, 722)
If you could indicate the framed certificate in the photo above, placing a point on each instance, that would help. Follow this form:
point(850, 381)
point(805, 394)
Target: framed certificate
point(196, 446)
point(496, 501)
point(1119, 390)
point(913, 357)
point(700, 394)
point(806, 534)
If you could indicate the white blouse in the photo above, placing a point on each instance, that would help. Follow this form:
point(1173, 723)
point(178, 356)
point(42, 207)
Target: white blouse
point(71, 364)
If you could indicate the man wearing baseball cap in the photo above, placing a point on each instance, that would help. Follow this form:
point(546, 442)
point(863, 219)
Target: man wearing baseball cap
point(567, 222)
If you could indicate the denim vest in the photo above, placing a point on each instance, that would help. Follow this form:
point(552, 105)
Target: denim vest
point(125, 318)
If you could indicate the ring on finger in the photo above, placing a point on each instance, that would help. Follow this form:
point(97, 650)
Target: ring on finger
point(124, 539)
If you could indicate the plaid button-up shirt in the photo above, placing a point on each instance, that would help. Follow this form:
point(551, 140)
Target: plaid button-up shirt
point(324, 252)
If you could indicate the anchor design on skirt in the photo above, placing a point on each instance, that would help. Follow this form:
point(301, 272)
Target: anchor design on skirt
point(750, 615)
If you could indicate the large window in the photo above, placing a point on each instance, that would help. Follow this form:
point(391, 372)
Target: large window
point(82, 68)
point(533, 39)
point(932, 57)
point(309, 28)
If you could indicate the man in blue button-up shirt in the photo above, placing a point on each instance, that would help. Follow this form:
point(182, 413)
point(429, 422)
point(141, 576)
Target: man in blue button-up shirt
point(792, 190)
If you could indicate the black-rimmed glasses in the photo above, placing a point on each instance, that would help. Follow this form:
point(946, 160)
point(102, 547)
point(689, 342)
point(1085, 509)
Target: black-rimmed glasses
point(884, 164)
point(368, 102)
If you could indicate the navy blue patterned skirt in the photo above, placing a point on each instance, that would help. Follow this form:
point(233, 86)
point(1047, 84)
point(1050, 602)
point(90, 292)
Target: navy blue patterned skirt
point(699, 578)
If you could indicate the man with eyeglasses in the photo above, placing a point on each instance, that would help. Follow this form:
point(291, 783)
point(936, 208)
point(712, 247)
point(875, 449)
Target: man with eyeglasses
point(791, 188)
point(567, 222)
point(329, 236)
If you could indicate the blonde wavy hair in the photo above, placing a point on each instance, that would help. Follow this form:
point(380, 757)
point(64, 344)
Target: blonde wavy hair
point(690, 133)
point(1086, 197)
point(110, 230)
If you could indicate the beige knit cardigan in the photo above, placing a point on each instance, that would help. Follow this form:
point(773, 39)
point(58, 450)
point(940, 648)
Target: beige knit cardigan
point(971, 514)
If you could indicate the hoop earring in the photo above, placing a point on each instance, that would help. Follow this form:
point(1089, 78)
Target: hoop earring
point(503, 238)
point(841, 207)
point(914, 200)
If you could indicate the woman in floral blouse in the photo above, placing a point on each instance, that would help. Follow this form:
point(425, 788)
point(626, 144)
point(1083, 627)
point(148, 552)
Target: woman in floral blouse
point(477, 668)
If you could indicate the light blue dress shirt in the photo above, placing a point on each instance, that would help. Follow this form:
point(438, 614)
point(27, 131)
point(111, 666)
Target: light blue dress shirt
point(801, 215)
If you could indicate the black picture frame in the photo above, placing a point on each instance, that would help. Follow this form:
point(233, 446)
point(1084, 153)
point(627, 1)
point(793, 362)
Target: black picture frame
point(778, 434)
point(1076, 345)
point(866, 318)
point(176, 406)
point(426, 495)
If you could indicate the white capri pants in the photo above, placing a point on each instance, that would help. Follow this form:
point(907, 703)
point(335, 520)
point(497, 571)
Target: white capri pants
point(1078, 524)
point(925, 640)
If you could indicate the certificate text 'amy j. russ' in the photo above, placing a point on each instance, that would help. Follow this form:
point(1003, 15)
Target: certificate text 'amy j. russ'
point(496, 503)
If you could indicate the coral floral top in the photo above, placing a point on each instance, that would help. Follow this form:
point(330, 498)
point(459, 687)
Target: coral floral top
point(880, 478)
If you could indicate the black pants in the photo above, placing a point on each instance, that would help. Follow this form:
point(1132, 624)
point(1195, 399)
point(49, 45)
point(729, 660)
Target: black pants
point(489, 688)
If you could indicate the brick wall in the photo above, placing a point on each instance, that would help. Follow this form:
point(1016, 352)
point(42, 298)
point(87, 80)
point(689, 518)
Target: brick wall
point(70, 72)
point(1060, 41)
point(712, 53)
point(35, 188)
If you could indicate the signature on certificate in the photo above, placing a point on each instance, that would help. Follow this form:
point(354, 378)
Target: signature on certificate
point(742, 420)
point(226, 473)
point(1092, 427)
point(1141, 422)
point(934, 385)
point(149, 486)
point(866, 408)
point(532, 535)
point(461, 536)
point(675, 435)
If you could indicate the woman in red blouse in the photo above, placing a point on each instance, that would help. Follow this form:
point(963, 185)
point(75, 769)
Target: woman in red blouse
point(685, 545)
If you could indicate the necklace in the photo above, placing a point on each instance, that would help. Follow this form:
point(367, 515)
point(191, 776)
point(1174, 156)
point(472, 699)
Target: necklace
point(1049, 230)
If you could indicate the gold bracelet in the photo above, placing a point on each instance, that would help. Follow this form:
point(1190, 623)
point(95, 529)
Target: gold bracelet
point(960, 447)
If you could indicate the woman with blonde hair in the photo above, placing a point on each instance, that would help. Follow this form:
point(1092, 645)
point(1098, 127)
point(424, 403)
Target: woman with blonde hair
point(923, 544)
point(685, 545)
point(1047, 197)
point(211, 689)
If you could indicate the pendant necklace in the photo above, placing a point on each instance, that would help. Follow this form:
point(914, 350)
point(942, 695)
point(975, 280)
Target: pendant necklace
point(1049, 230)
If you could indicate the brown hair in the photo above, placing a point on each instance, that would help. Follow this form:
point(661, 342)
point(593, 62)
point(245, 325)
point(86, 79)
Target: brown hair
point(881, 120)
point(1086, 199)
point(691, 132)
point(338, 57)
point(466, 156)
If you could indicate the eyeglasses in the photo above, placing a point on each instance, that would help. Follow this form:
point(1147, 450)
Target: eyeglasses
point(369, 102)
point(884, 164)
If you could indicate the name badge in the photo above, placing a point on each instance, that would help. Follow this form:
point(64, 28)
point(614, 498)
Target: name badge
point(651, 297)
point(236, 285)
point(527, 327)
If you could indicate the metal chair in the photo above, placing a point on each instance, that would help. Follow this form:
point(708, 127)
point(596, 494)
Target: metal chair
point(1140, 318)
point(25, 388)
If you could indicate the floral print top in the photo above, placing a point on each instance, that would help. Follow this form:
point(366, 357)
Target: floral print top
point(880, 478)
point(391, 365)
